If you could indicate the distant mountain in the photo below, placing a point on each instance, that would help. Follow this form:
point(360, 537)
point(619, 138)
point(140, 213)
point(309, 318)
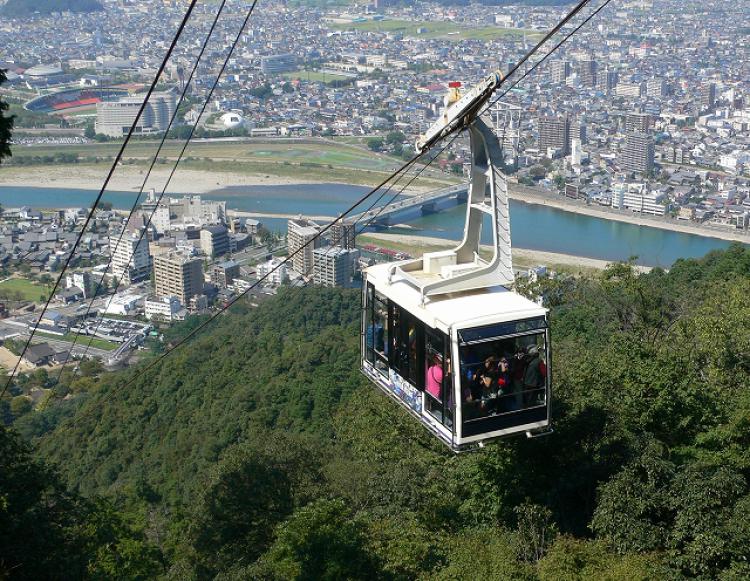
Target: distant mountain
point(16, 8)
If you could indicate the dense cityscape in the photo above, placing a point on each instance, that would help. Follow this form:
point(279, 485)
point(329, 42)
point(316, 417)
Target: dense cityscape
point(620, 117)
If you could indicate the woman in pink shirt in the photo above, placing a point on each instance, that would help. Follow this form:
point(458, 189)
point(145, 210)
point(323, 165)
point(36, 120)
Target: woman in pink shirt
point(434, 383)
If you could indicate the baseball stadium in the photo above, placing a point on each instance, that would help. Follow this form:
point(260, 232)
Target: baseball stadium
point(74, 100)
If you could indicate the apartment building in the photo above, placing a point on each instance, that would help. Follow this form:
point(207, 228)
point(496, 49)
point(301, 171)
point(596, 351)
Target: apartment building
point(131, 261)
point(638, 153)
point(302, 241)
point(334, 266)
point(214, 240)
point(554, 134)
point(178, 275)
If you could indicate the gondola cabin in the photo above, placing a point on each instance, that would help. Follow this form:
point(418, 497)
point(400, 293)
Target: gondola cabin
point(445, 337)
point(471, 366)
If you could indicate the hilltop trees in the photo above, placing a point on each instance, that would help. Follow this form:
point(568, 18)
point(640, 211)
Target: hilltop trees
point(47, 532)
point(258, 450)
point(6, 125)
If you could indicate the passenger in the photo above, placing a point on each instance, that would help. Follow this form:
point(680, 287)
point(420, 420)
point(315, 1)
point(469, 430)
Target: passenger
point(518, 370)
point(534, 378)
point(488, 391)
point(505, 403)
point(434, 380)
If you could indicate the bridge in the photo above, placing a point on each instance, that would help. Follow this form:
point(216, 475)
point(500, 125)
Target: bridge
point(413, 207)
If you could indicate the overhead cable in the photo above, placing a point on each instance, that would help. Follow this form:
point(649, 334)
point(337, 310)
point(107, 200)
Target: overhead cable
point(116, 161)
point(134, 207)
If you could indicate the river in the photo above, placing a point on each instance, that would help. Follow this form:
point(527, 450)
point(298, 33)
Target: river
point(532, 226)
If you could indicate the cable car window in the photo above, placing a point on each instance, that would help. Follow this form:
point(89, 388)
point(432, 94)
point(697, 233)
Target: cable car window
point(407, 341)
point(369, 329)
point(376, 329)
point(381, 333)
point(503, 376)
point(501, 329)
point(438, 383)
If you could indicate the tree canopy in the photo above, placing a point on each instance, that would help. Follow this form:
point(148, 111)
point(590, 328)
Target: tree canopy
point(6, 124)
point(258, 450)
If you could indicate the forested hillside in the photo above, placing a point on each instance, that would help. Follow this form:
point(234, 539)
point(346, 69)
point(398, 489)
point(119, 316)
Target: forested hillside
point(258, 452)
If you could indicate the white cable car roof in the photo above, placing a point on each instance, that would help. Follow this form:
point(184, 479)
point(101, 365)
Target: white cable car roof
point(464, 309)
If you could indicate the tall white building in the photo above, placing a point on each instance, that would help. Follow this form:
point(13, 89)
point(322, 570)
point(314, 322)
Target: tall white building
point(301, 241)
point(276, 271)
point(575, 153)
point(131, 261)
point(334, 265)
point(114, 118)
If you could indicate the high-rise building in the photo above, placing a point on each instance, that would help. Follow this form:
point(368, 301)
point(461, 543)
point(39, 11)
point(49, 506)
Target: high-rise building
point(587, 73)
point(301, 242)
point(214, 240)
point(575, 148)
point(559, 71)
point(279, 63)
point(224, 273)
point(638, 154)
point(656, 88)
point(708, 96)
point(577, 130)
point(178, 275)
point(114, 118)
point(637, 122)
point(130, 258)
point(606, 81)
point(554, 133)
point(334, 266)
point(343, 234)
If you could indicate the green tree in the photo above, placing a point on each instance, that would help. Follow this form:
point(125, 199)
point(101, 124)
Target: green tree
point(319, 541)
point(6, 124)
point(375, 143)
point(245, 496)
point(394, 137)
point(579, 560)
point(20, 405)
point(537, 172)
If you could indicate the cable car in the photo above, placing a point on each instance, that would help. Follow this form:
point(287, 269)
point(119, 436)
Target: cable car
point(446, 337)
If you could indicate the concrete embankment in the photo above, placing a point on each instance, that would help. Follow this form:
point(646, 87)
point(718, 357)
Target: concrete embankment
point(538, 196)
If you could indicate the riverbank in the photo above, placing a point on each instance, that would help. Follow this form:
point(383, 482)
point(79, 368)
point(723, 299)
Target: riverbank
point(189, 181)
point(129, 179)
point(522, 257)
point(541, 198)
